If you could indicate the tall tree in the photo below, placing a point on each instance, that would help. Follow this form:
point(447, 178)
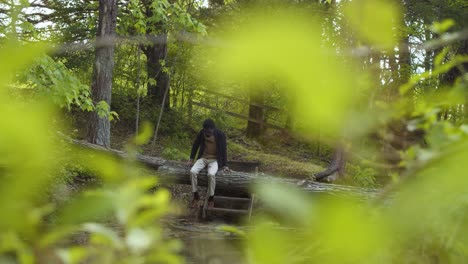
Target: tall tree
point(156, 54)
point(255, 126)
point(99, 124)
point(157, 20)
point(156, 51)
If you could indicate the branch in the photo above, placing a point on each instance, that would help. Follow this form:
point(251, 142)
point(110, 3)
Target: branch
point(445, 39)
point(442, 41)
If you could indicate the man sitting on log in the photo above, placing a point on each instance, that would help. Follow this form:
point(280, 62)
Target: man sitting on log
point(213, 153)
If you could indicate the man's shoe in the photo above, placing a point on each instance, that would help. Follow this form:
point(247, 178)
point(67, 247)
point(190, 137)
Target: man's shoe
point(194, 203)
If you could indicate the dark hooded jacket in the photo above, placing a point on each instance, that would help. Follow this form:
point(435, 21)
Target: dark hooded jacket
point(221, 147)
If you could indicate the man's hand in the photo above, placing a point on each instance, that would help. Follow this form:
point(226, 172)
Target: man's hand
point(189, 163)
point(226, 169)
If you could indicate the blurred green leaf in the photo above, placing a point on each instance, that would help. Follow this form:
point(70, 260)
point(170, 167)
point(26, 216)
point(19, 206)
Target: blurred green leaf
point(73, 255)
point(374, 21)
point(316, 80)
point(441, 56)
point(138, 240)
point(267, 243)
point(145, 134)
point(14, 57)
point(443, 26)
point(86, 208)
point(232, 229)
point(56, 235)
point(102, 235)
point(285, 201)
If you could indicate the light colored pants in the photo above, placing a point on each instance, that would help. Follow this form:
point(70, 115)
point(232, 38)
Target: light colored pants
point(212, 169)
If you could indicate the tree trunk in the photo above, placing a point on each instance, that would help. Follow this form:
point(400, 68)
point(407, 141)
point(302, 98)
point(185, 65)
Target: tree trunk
point(375, 70)
point(99, 127)
point(392, 89)
point(182, 103)
point(137, 121)
point(449, 78)
point(155, 53)
point(464, 81)
point(190, 105)
point(405, 62)
point(255, 129)
point(429, 56)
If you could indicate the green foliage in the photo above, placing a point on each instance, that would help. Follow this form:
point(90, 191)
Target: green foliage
point(440, 69)
point(147, 18)
point(442, 27)
point(174, 154)
point(374, 21)
point(322, 223)
point(337, 230)
point(255, 52)
point(424, 221)
point(282, 165)
point(53, 80)
point(18, 25)
point(145, 135)
point(34, 229)
point(361, 176)
point(103, 110)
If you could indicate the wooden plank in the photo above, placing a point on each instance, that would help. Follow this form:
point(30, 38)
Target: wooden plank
point(205, 207)
point(225, 210)
point(241, 100)
point(232, 198)
point(237, 115)
point(251, 206)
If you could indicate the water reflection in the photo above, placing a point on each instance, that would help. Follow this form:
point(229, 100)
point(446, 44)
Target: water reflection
point(205, 243)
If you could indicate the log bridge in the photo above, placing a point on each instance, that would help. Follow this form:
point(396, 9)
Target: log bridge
point(233, 183)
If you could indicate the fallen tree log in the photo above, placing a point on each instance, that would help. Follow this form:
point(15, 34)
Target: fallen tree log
point(335, 169)
point(233, 182)
point(148, 161)
point(239, 183)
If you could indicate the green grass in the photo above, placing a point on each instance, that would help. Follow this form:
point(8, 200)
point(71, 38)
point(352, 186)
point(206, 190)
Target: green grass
point(278, 154)
point(272, 163)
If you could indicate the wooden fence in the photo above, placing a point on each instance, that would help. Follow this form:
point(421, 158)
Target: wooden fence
point(237, 115)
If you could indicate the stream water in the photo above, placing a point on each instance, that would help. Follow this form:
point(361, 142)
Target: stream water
point(204, 242)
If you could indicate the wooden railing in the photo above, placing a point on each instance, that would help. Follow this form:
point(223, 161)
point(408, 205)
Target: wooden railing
point(237, 115)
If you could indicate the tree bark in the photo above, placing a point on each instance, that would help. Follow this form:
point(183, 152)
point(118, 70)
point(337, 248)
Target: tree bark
point(190, 105)
point(429, 56)
point(240, 183)
point(336, 166)
point(99, 127)
point(464, 81)
point(137, 121)
point(405, 62)
point(147, 161)
point(255, 129)
point(392, 90)
point(155, 53)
